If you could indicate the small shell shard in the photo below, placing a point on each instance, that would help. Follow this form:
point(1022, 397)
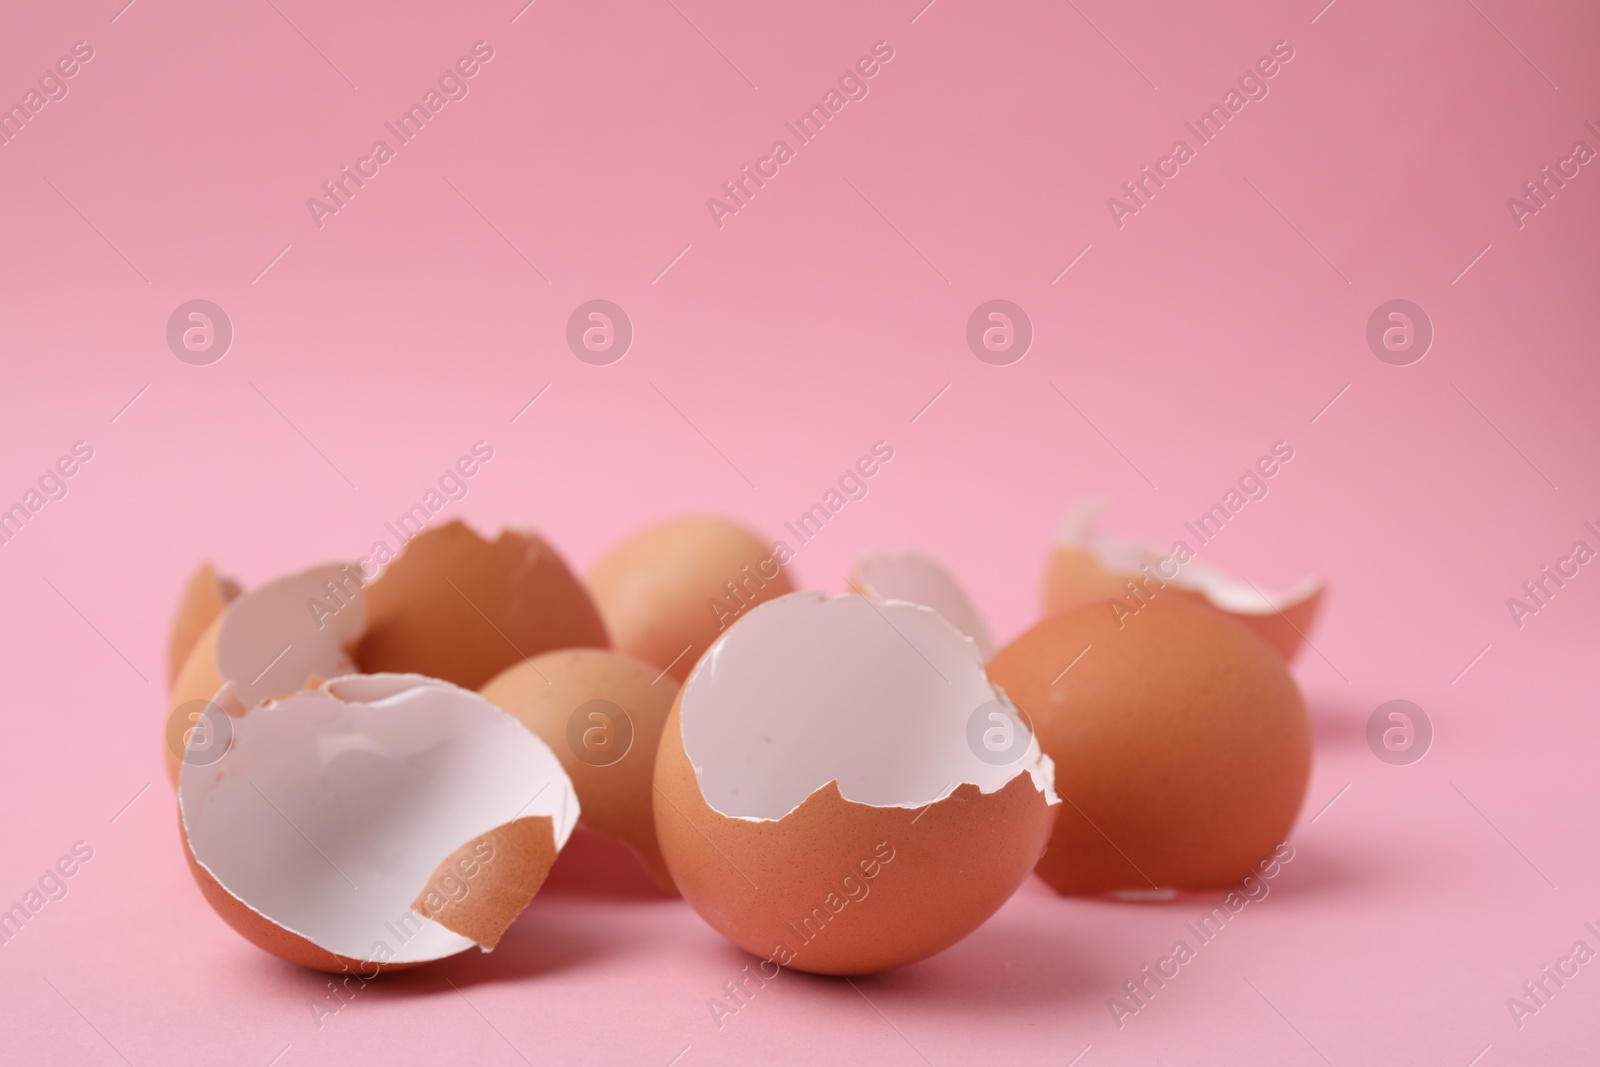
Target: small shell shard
point(483, 886)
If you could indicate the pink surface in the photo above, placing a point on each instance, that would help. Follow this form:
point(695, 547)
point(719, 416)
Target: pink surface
point(828, 313)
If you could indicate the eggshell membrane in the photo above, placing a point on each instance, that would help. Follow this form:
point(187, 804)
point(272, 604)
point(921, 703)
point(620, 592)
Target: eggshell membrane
point(267, 642)
point(655, 588)
point(1181, 744)
point(816, 734)
point(337, 812)
point(921, 579)
point(203, 598)
point(543, 693)
point(455, 606)
point(1084, 567)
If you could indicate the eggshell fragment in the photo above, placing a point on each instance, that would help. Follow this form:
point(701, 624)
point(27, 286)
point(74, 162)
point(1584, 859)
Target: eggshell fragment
point(668, 591)
point(921, 579)
point(1181, 744)
point(602, 714)
point(526, 848)
point(1086, 567)
point(268, 642)
point(342, 818)
point(204, 596)
point(819, 800)
point(457, 607)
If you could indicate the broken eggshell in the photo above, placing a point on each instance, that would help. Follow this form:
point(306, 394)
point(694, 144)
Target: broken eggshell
point(452, 606)
point(668, 591)
point(821, 799)
point(268, 642)
point(602, 714)
point(375, 823)
point(455, 606)
point(204, 597)
point(921, 579)
point(1087, 567)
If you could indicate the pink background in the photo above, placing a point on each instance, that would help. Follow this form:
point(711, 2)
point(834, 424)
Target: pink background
point(825, 316)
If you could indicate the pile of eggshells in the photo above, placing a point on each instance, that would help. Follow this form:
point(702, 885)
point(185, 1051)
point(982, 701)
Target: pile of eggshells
point(375, 773)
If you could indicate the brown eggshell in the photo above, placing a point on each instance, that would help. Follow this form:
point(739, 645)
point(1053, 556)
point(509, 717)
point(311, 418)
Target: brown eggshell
point(524, 848)
point(330, 832)
point(910, 837)
point(1076, 576)
point(198, 680)
point(273, 939)
point(659, 590)
point(1085, 567)
point(267, 642)
point(457, 607)
point(1285, 630)
point(549, 694)
point(530, 841)
point(1181, 744)
point(772, 887)
point(204, 596)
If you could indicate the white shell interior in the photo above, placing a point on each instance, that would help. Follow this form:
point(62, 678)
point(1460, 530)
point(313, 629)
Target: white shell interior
point(921, 579)
point(807, 690)
point(1227, 593)
point(272, 638)
point(333, 808)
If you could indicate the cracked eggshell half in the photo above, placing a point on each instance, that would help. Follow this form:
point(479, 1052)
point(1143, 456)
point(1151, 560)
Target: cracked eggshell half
point(921, 579)
point(671, 589)
point(1180, 741)
point(267, 642)
point(821, 799)
point(455, 606)
point(602, 714)
point(204, 597)
point(375, 823)
point(1087, 567)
